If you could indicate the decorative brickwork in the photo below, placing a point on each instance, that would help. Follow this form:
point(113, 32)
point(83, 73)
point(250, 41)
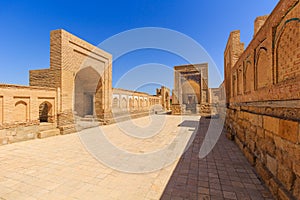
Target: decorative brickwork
point(263, 98)
point(71, 59)
point(191, 91)
point(20, 111)
point(77, 87)
point(127, 104)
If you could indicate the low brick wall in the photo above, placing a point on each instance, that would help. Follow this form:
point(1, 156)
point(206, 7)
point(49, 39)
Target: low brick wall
point(270, 139)
point(20, 109)
point(16, 132)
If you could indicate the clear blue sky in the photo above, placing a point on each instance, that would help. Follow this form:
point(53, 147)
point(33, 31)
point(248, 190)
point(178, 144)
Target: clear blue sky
point(25, 28)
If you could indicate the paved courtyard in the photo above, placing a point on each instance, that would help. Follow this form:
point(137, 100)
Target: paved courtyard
point(62, 168)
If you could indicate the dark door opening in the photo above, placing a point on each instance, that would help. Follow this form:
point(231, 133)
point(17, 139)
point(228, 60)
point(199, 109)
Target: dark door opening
point(191, 104)
point(45, 112)
point(89, 109)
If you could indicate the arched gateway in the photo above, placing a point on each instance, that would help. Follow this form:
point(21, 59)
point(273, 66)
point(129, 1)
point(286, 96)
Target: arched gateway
point(82, 75)
point(88, 91)
point(45, 112)
point(190, 94)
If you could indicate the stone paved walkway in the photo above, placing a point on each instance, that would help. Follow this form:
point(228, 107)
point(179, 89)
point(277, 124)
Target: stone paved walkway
point(223, 174)
point(61, 168)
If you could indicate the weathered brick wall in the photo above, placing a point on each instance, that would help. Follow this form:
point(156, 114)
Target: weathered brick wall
point(266, 71)
point(234, 49)
point(43, 78)
point(81, 72)
point(271, 143)
point(75, 54)
point(259, 22)
point(165, 98)
point(69, 56)
point(263, 98)
point(191, 81)
point(20, 109)
point(221, 104)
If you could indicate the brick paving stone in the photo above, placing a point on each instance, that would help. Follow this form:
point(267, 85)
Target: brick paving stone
point(203, 197)
point(223, 174)
point(203, 190)
point(61, 168)
point(229, 195)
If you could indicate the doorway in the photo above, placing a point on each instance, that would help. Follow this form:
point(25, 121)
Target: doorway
point(191, 103)
point(87, 84)
point(45, 112)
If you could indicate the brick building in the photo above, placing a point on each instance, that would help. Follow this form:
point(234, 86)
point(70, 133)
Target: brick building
point(262, 104)
point(76, 87)
point(191, 93)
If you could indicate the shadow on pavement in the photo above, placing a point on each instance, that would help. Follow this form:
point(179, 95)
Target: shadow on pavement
point(223, 174)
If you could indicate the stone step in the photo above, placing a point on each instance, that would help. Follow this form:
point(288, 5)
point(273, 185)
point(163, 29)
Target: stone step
point(48, 133)
point(88, 119)
point(80, 125)
point(67, 129)
point(46, 126)
point(89, 116)
point(188, 112)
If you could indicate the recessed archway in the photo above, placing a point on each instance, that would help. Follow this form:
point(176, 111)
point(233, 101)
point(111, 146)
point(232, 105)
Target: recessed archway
point(88, 91)
point(190, 94)
point(115, 102)
point(20, 111)
point(45, 112)
point(124, 103)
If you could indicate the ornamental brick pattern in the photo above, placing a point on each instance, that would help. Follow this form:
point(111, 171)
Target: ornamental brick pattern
point(262, 106)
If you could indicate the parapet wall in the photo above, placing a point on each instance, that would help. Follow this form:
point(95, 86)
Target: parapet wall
point(263, 98)
point(42, 78)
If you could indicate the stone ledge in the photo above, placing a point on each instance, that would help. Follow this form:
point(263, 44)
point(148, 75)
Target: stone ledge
point(287, 113)
point(48, 133)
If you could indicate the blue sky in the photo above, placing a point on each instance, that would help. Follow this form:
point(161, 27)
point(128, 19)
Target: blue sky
point(26, 25)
